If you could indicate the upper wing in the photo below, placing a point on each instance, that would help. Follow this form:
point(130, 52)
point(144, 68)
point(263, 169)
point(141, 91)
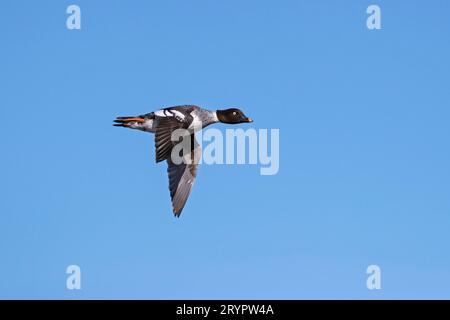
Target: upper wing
point(182, 176)
point(166, 122)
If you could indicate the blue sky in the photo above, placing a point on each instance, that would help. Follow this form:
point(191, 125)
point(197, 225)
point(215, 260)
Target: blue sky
point(364, 150)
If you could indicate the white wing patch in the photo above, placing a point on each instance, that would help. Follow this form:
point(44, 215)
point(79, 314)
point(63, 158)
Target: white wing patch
point(170, 113)
point(178, 114)
point(160, 113)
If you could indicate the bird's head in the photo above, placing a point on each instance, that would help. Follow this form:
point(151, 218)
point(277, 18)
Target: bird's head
point(232, 116)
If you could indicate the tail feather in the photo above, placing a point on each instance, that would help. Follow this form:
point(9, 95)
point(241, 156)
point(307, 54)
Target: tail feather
point(128, 121)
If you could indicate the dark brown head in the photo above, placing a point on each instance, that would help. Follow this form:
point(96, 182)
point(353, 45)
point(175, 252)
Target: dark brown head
point(232, 116)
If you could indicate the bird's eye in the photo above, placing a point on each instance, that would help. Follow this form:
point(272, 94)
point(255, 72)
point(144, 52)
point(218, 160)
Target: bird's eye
point(234, 113)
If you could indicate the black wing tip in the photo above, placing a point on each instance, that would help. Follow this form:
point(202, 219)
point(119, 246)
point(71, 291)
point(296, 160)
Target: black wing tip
point(176, 213)
point(157, 160)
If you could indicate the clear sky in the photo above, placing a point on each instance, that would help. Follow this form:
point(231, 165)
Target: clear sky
point(364, 149)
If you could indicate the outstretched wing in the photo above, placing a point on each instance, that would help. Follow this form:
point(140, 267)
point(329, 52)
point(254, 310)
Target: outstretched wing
point(163, 137)
point(182, 176)
point(167, 121)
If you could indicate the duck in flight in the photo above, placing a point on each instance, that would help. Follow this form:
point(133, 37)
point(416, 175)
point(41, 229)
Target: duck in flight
point(163, 123)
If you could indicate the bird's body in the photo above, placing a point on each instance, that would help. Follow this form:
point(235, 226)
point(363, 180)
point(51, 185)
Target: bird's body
point(165, 123)
point(188, 115)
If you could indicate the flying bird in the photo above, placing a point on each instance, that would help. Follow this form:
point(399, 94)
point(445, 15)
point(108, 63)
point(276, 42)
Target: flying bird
point(163, 123)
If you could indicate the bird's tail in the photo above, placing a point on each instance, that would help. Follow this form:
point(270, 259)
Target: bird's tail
point(129, 122)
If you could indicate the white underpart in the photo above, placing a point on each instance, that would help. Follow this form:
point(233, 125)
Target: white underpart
point(134, 125)
point(196, 123)
point(214, 113)
point(148, 125)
